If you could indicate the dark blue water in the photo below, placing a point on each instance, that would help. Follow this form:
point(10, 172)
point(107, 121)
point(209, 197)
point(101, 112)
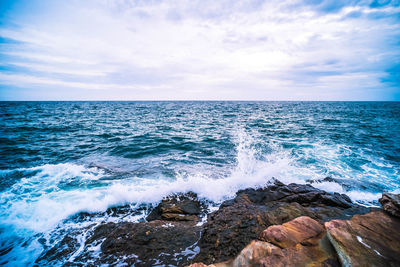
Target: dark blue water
point(58, 159)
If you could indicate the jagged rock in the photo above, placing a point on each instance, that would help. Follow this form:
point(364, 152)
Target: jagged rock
point(181, 207)
point(300, 242)
point(320, 255)
point(241, 220)
point(200, 264)
point(293, 232)
point(253, 253)
point(366, 240)
point(61, 251)
point(391, 203)
point(147, 243)
point(249, 256)
point(171, 235)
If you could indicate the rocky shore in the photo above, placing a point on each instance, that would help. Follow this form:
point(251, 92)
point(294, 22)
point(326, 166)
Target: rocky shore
point(279, 225)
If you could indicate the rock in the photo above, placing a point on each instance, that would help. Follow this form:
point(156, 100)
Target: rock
point(171, 236)
point(303, 243)
point(391, 203)
point(200, 264)
point(132, 244)
point(366, 240)
point(148, 243)
point(60, 252)
point(253, 253)
point(181, 207)
point(294, 232)
point(241, 220)
point(249, 256)
point(319, 255)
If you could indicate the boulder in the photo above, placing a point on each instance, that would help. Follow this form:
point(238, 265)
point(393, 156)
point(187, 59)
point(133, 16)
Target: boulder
point(132, 244)
point(297, 231)
point(300, 242)
point(319, 255)
point(366, 240)
point(147, 243)
point(60, 252)
point(239, 221)
point(391, 203)
point(180, 207)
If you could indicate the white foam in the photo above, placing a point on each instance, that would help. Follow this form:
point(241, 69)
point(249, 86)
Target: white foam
point(40, 202)
point(329, 187)
point(364, 197)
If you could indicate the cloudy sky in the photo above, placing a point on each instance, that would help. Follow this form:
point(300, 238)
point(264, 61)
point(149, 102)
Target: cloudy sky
point(200, 50)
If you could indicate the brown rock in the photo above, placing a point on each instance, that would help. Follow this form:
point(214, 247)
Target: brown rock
point(200, 264)
point(304, 241)
point(321, 255)
point(241, 220)
point(253, 252)
point(391, 203)
point(366, 240)
point(180, 207)
point(293, 232)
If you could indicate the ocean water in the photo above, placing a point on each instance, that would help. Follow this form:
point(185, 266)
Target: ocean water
point(64, 166)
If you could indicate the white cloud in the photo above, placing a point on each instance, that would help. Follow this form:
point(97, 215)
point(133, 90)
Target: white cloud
point(204, 50)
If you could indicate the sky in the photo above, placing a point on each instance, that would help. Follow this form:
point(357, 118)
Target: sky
point(200, 50)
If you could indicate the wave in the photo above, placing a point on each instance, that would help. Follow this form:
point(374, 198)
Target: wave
point(43, 203)
point(56, 192)
point(52, 193)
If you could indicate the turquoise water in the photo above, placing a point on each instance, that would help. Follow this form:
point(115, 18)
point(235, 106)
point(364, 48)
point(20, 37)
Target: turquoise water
point(59, 159)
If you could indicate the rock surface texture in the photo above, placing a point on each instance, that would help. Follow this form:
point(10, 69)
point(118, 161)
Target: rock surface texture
point(241, 220)
point(391, 203)
point(300, 242)
point(178, 208)
point(294, 232)
point(279, 225)
point(371, 239)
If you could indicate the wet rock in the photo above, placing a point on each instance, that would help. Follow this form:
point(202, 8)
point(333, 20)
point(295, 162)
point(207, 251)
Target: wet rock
point(181, 207)
point(293, 232)
point(319, 255)
point(303, 242)
point(249, 256)
point(60, 252)
point(147, 243)
point(366, 240)
point(300, 242)
point(241, 220)
point(253, 253)
point(200, 264)
point(391, 203)
point(171, 236)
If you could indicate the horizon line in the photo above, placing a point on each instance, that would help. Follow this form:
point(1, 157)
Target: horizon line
point(199, 100)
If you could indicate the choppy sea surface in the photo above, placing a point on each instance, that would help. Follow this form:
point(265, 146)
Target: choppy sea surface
point(62, 159)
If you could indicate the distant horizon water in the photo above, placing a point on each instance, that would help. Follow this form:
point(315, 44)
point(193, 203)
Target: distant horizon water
point(184, 100)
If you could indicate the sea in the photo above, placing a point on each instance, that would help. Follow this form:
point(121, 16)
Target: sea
point(59, 160)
